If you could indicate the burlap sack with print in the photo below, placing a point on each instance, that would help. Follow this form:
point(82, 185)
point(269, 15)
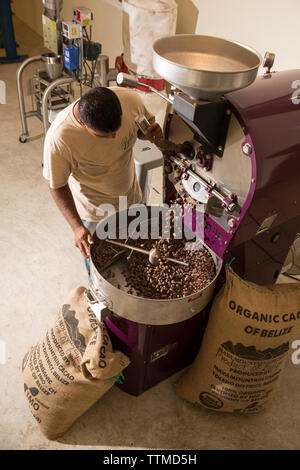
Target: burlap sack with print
point(70, 368)
point(245, 346)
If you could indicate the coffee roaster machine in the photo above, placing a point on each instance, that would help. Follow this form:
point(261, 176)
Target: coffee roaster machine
point(239, 165)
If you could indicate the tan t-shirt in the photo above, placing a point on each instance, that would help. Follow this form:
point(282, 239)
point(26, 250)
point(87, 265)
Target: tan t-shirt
point(98, 170)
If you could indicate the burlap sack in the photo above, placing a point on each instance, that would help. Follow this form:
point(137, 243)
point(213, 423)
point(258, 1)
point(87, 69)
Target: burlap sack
point(245, 346)
point(70, 368)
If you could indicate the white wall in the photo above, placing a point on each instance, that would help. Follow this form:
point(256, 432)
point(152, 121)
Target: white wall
point(266, 25)
point(271, 25)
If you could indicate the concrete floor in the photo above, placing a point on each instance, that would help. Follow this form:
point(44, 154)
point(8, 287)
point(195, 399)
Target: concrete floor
point(40, 266)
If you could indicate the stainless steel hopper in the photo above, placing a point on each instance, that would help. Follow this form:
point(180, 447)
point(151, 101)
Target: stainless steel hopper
point(205, 67)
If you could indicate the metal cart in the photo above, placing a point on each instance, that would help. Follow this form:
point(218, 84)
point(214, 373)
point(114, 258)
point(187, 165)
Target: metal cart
point(48, 95)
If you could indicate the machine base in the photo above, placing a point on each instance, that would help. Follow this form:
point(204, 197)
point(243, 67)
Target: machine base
point(155, 352)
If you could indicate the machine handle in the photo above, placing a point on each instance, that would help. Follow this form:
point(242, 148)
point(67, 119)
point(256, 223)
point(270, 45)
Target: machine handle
point(98, 307)
point(132, 82)
point(128, 80)
point(98, 296)
point(90, 297)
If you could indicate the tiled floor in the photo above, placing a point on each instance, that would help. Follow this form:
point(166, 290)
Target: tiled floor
point(40, 265)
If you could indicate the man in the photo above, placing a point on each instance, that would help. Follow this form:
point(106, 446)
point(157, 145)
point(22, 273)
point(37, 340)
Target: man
point(88, 156)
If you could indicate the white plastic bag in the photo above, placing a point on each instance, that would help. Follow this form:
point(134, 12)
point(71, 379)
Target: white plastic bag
point(144, 22)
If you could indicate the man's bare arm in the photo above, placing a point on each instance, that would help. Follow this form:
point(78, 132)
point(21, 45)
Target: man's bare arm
point(64, 200)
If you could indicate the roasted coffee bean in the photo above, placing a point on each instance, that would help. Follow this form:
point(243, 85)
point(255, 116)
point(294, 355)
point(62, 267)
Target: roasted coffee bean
point(166, 280)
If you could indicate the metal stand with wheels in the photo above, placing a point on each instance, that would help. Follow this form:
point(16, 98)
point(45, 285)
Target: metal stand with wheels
point(23, 114)
point(43, 97)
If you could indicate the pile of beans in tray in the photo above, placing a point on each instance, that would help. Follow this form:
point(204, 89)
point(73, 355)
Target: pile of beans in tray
point(166, 280)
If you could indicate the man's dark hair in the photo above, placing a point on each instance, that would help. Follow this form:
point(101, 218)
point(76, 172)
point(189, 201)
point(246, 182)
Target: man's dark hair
point(100, 110)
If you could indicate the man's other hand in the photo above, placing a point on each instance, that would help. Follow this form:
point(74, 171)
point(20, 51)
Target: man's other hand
point(83, 240)
point(152, 133)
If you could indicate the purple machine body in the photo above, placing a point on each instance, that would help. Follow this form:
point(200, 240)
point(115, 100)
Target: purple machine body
point(258, 235)
point(271, 124)
point(271, 118)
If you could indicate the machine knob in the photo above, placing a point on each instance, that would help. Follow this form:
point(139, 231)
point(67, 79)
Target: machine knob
point(231, 207)
point(231, 223)
point(268, 61)
point(247, 149)
point(172, 92)
point(187, 151)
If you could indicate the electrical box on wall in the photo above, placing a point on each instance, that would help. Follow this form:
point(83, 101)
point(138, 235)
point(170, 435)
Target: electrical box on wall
point(82, 15)
point(71, 30)
point(71, 57)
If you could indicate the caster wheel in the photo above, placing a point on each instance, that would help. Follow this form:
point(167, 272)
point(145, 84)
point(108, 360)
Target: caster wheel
point(22, 139)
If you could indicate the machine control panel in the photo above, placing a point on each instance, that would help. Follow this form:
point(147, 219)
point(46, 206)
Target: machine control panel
point(71, 30)
point(82, 15)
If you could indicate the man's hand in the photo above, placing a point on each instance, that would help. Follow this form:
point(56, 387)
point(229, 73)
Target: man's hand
point(83, 240)
point(152, 133)
point(65, 202)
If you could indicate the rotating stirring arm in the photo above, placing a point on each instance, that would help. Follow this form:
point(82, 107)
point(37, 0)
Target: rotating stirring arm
point(154, 254)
